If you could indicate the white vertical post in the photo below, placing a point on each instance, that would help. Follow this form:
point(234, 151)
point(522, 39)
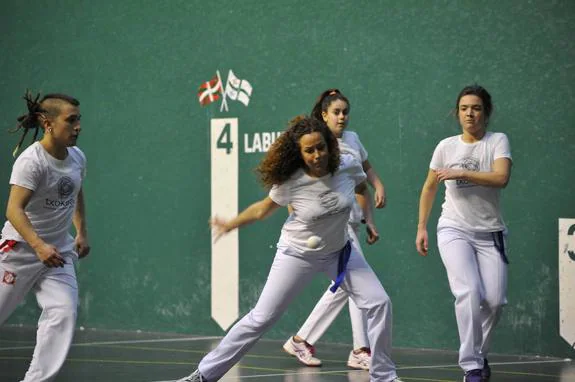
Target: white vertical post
point(567, 280)
point(224, 204)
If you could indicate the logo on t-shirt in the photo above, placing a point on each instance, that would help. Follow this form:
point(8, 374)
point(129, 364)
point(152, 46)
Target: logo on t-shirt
point(65, 187)
point(469, 164)
point(65, 190)
point(328, 200)
point(331, 202)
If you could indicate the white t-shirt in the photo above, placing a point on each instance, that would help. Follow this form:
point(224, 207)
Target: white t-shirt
point(320, 206)
point(349, 143)
point(56, 184)
point(467, 205)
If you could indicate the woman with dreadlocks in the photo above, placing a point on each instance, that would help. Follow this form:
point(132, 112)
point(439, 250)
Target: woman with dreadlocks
point(36, 250)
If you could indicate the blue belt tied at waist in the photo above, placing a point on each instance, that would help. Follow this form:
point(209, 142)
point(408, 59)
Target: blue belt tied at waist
point(341, 266)
point(499, 242)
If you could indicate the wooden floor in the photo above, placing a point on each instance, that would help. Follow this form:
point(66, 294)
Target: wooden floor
point(153, 357)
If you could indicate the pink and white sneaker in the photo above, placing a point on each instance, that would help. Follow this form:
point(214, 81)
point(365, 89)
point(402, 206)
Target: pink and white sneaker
point(303, 351)
point(361, 360)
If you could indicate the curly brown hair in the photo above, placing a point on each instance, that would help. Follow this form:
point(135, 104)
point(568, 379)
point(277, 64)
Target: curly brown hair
point(284, 158)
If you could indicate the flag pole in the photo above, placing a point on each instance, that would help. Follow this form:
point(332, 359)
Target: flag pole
point(224, 102)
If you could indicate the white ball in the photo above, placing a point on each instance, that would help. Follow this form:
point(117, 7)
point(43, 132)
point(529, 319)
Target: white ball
point(81, 328)
point(313, 242)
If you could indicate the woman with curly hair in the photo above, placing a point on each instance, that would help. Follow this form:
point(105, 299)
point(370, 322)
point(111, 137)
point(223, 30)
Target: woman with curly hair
point(303, 169)
point(333, 108)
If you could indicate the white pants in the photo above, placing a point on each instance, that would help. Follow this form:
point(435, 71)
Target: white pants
point(56, 291)
point(289, 274)
point(478, 280)
point(328, 308)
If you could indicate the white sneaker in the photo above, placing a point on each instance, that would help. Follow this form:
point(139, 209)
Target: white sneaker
point(194, 377)
point(360, 361)
point(302, 351)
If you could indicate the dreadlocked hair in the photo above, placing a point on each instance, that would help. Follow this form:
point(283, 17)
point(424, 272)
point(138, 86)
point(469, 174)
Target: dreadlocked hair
point(36, 110)
point(284, 158)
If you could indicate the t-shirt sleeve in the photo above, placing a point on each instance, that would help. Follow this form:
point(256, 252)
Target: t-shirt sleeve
point(26, 173)
point(81, 158)
point(280, 194)
point(502, 148)
point(437, 158)
point(362, 150)
point(351, 163)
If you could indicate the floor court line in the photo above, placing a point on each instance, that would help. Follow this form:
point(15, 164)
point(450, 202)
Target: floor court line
point(282, 375)
point(399, 368)
point(490, 363)
point(290, 372)
point(203, 352)
point(339, 360)
point(113, 361)
point(411, 379)
point(158, 340)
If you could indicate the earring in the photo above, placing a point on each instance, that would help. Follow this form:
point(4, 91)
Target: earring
point(50, 129)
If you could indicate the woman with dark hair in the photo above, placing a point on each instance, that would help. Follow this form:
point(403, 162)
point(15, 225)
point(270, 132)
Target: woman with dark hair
point(37, 251)
point(474, 165)
point(303, 169)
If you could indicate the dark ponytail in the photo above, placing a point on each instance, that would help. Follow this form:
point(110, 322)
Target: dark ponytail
point(324, 100)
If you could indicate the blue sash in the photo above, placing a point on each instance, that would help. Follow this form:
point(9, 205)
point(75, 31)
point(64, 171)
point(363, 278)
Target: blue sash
point(341, 266)
point(499, 243)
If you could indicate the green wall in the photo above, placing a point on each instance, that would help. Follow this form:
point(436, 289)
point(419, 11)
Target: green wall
point(136, 67)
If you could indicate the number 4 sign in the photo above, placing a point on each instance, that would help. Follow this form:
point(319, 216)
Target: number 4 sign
point(225, 140)
point(224, 204)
